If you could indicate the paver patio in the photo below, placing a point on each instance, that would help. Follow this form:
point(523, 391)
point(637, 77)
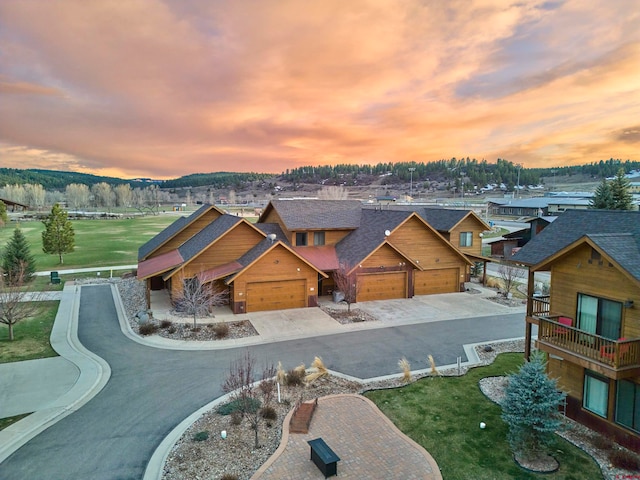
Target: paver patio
point(368, 443)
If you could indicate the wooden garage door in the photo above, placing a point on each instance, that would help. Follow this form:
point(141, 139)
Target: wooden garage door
point(437, 281)
point(276, 295)
point(382, 286)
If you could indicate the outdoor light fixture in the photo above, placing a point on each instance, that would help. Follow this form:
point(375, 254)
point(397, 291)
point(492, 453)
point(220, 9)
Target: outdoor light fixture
point(628, 304)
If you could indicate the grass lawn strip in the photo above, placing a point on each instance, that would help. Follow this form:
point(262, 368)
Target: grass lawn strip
point(443, 415)
point(31, 336)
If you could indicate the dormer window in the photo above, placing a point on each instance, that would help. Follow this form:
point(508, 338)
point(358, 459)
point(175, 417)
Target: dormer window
point(301, 239)
point(466, 239)
point(318, 238)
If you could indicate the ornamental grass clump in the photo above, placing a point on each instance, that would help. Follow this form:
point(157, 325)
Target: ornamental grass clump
point(530, 409)
point(296, 375)
point(405, 367)
point(319, 370)
point(434, 370)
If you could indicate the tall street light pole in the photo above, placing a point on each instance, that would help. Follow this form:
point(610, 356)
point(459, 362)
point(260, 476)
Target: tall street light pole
point(411, 170)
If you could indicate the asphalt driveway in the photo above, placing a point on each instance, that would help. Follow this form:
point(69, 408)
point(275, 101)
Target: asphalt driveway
point(151, 390)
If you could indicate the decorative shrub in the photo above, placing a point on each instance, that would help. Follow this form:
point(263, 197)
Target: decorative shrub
point(148, 329)
point(221, 329)
point(602, 443)
point(295, 377)
point(229, 476)
point(171, 329)
point(195, 329)
point(269, 413)
point(166, 324)
point(625, 459)
point(253, 405)
point(236, 418)
point(201, 436)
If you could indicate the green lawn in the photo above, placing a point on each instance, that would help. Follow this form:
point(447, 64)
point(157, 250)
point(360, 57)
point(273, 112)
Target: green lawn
point(98, 242)
point(443, 415)
point(31, 336)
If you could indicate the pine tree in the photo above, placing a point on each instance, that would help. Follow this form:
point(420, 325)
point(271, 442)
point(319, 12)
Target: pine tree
point(58, 237)
point(4, 218)
point(603, 197)
point(530, 408)
point(621, 192)
point(17, 262)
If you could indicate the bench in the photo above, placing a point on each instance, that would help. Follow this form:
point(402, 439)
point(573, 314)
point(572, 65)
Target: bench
point(324, 458)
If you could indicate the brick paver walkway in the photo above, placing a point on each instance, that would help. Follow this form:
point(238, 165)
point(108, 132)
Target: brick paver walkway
point(368, 444)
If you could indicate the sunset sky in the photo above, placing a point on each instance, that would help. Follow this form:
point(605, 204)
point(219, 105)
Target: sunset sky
point(161, 89)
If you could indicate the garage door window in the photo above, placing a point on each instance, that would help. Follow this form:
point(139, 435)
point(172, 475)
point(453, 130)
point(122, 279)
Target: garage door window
point(466, 239)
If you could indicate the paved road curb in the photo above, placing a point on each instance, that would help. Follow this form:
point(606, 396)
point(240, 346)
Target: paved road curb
point(94, 374)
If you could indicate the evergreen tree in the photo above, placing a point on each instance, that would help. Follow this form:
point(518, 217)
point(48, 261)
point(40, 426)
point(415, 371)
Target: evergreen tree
point(621, 192)
point(603, 197)
point(530, 408)
point(4, 218)
point(17, 262)
point(58, 237)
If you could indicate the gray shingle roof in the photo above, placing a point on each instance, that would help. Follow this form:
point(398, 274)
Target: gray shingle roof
point(169, 232)
point(442, 219)
point(318, 214)
point(208, 234)
point(616, 232)
point(273, 228)
point(356, 246)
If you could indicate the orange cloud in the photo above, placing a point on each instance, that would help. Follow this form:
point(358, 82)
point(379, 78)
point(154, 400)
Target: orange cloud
point(162, 89)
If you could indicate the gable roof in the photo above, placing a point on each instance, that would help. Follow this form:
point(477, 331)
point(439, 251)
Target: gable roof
point(172, 230)
point(360, 243)
point(615, 232)
point(208, 235)
point(261, 249)
point(316, 214)
point(442, 219)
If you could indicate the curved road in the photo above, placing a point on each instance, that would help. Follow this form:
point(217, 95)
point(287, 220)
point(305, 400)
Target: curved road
point(151, 390)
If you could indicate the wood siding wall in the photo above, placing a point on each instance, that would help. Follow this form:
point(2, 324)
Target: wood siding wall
point(577, 273)
point(230, 247)
point(278, 264)
point(422, 245)
point(469, 224)
point(188, 232)
point(273, 217)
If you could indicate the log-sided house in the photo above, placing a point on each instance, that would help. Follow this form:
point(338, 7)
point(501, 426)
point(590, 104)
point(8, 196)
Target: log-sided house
point(286, 259)
point(589, 325)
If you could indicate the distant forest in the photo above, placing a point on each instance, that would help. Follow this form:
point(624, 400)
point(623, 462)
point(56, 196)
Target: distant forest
point(456, 171)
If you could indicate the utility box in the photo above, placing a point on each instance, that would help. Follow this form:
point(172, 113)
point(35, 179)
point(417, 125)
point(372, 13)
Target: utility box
point(55, 279)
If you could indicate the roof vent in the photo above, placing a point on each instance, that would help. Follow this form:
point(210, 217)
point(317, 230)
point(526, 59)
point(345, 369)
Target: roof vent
point(271, 237)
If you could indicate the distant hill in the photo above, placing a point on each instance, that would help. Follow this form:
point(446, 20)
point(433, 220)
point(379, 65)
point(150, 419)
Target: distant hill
point(58, 180)
point(454, 172)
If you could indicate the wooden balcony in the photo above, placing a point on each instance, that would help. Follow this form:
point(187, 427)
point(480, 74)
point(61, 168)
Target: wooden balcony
point(613, 358)
point(540, 304)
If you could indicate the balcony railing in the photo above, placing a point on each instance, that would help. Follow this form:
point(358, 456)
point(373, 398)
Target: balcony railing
point(613, 353)
point(540, 304)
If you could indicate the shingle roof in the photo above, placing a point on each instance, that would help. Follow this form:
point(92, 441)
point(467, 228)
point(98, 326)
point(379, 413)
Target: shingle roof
point(616, 232)
point(169, 232)
point(356, 246)
point(208, 234)
point(273, 228)
point(162, 237)
point(318, 214)
point(442, 219)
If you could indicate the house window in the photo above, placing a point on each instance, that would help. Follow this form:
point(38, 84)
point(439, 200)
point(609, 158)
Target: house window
point(301, 239)
point(466, 239)
point(596, 393)
point(628, 405)
point(318, 238)
point(599, 316)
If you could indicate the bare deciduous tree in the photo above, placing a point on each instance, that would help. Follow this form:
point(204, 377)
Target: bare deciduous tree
point(77, 196)
point(34, 195)
point(243, 389)
point(510, 273)
point(347, 284)
point(333, 192)
point(123, 195)
point(17, 301)
point(103, 195)
point(197, 298)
